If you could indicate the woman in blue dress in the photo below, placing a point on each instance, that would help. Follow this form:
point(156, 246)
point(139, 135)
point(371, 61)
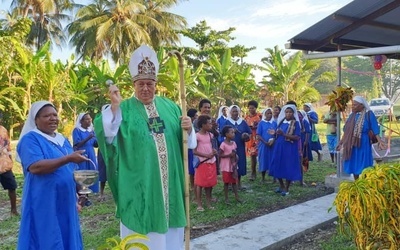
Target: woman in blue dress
point(221, 120)
point(49, 218)
point(84, 139)
point(314, 142)
point(357, 147)
point(286, 158)
point(242, 134)
point(305, 135)
point(266, 137)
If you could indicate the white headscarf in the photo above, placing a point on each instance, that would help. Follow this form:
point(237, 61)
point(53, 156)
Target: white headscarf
point(282, 114)
point(263, 115)
point(308, 104)
point(239, 120)
point(361, 100)
point(220, 112)
point(305, 116)
point(30, 120)
point(30, 125)
point(78, 124)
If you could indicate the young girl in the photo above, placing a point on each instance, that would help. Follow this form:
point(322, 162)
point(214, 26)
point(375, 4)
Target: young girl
point(206, 173)
point(242, 132)
point(275, 113)
point(285, 161)
point(265, 134)
point(228, 161)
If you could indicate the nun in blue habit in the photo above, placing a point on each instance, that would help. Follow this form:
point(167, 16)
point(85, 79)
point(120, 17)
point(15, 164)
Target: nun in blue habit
point(49, 212)
point(84, 138)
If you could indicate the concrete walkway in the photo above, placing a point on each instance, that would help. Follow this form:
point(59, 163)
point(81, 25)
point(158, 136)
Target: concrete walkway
point(272, 230)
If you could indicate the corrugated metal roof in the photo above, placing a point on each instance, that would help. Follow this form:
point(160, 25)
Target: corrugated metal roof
point(359, 24)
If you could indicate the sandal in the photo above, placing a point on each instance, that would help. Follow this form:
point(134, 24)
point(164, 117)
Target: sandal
point(200, 209)
point(285, 193)
point(278, 190)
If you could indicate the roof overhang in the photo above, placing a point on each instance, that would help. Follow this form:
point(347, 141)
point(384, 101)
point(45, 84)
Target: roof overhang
point(361, 24)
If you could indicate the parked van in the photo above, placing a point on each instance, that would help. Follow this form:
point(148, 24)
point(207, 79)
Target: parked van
point(381, 106)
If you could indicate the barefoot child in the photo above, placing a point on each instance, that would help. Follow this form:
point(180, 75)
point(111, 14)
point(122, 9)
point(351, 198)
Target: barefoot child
point(229, 161)
point(205, 175)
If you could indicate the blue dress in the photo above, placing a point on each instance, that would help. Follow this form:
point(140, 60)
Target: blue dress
point(307, 130)
point(241, 147)
point(265, 152)
point(49, 218)
point(286, 158)
point(314, 146)
point(190, 161)
point(362, 157)
point(221, 123)
point(102, 167)
point(78, 136)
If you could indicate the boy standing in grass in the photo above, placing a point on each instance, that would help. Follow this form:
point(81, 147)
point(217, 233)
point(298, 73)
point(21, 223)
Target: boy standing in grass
point(7, 179)
point(331, 138)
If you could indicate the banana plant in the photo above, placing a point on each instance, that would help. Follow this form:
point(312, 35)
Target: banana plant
point(289, 78)
point(94, 83)
point(225, 77)
point(29, 72)
point(169, 79)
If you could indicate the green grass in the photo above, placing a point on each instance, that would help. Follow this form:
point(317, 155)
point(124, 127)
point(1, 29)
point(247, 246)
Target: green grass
point(339, 241)
point(98, 221)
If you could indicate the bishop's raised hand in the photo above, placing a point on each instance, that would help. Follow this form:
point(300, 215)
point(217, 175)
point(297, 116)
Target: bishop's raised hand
point(115, 97)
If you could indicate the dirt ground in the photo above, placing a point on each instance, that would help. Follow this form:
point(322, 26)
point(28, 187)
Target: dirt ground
point(312, 241)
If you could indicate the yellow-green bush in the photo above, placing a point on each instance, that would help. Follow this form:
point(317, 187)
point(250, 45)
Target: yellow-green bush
point(370, 207)
point(115, 243)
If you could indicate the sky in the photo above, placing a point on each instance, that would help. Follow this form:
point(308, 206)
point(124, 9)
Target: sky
point(259, 23)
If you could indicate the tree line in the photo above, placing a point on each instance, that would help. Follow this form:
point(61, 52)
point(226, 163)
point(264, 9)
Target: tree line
point(104, 34)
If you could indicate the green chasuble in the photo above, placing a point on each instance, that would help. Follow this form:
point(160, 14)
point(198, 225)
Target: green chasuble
point(145, 166)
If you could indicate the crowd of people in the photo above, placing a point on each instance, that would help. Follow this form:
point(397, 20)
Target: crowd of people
point(139, 143)
point(277, 140)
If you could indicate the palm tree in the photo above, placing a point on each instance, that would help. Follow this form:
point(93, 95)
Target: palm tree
point(116, 28)
point(170, 24)
point(83, 30)
point(46, 16)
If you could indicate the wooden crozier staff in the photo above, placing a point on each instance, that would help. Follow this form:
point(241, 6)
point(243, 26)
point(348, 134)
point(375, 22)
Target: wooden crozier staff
point(182, 94)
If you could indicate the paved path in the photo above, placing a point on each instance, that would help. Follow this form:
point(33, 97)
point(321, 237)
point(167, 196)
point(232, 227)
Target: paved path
point(272, 230)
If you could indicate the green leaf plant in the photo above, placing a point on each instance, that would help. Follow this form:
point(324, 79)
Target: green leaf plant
point(370, 207)
point(115, 243)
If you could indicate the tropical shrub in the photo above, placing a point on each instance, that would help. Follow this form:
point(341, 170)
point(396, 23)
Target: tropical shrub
point(115, 243)
point(370, 207)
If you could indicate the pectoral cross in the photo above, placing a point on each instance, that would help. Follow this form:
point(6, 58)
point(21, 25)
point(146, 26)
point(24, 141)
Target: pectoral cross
point(156, 125)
